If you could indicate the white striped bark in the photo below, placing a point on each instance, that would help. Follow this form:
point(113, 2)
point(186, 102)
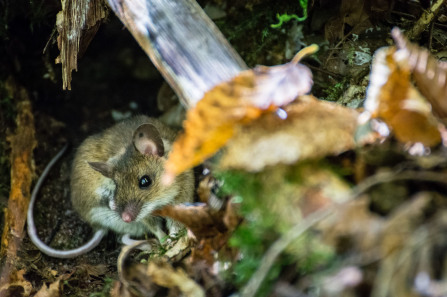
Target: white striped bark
point(182, 42)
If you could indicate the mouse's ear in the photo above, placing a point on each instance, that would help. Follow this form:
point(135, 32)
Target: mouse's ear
point(102, 167)
point(147, 140)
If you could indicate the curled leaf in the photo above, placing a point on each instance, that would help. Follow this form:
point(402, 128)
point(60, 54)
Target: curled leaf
point(212, 121)
point(392, 98)
point(201, 219)
point(15, 279)
point(163, 274)
point(211, 227)
point(429, 73)
point(311, 129)
point(49, 291)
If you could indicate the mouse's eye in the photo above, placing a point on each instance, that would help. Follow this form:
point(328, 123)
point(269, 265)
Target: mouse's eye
point(144, 182)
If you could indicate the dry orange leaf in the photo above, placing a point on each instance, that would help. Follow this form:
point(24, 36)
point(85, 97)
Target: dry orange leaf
point(429, 73)
point(202, 220)
point(49, 291)
point(212, 228)
point(210, 124)
point(15, 279)
point(392, 98)
point(163, 274)
point(312, 129)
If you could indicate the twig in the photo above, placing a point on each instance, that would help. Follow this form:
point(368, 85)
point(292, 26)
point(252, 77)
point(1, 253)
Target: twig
point(340, 43)
point(308, 50)
point(407, 15)
point(439, 25)
point(430, 38)
point(49, 40)
point(393, 176)
point(278, 246)
point(323, 70)
point(425, 20)
point(387, 272)
point(276, 249)
point(125, 251)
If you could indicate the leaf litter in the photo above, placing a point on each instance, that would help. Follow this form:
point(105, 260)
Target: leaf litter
point(296, 212)
point(308, 129)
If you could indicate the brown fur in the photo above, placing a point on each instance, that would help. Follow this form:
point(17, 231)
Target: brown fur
point(91, 191)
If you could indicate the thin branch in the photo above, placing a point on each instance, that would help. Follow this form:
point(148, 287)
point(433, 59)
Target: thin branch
point(385, 177)
point(278, 247)
point(425, 20)
point(430, 38)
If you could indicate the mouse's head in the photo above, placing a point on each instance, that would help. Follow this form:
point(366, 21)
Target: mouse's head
point(137, 176)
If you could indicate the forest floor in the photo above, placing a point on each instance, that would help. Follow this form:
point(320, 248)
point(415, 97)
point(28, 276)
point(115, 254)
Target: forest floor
point(115, 79)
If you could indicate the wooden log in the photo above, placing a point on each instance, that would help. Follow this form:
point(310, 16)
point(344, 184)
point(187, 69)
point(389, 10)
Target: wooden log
point(182, 42)
point(22, 142)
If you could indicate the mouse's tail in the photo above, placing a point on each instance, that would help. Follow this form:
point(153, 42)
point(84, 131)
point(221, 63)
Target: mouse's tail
point(91, 244)
point(32, 232)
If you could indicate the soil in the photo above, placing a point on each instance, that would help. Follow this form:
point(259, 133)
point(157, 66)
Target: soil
point(112, 74)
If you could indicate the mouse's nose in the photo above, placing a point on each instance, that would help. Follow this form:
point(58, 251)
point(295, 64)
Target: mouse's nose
point(130, 212)
point(126, 217)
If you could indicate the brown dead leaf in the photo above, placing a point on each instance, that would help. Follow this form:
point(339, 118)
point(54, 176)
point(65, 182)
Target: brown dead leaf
point(180, 248)
point(134, 282)
point(197, 218)
point(201, 219)
point(352, 13)
point(163, 274)
point(212, 121)
point(206, 188)
point(92, 270)
point(311, 129)
point(380, 8)
point(408, 243)
point(404, 221)
point(206, 276)
point(16, 279)
point(392, 98)
point(49, 291)
point(353, 227)
point(211, 227)
point(430, 74)
point(118, 290)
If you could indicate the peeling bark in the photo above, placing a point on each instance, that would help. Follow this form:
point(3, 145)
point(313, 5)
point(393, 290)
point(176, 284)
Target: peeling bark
point(183, 43)
point(77, 24)
point(22, 142)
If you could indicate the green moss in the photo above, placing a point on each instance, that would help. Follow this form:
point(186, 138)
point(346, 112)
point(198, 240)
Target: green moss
point(108, 282)
point(270, 206)
point(336, 91)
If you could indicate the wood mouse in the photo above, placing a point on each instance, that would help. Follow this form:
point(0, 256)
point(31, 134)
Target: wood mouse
point(115, 183)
